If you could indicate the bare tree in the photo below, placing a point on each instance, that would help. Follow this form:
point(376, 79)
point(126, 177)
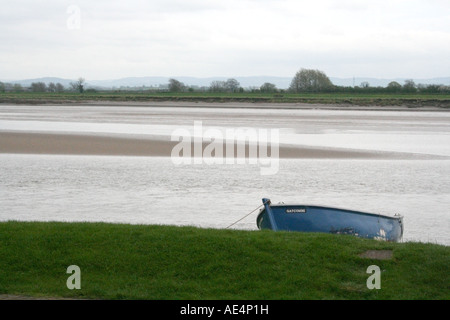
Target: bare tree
point(217, 86)
point(268, 88)
point(38, 87)
point(176, 86)
point(78, 85)
point(17, 87)
point(59, 87)
point(232, 85)
point(365, 84)
point(409, 86)
point(51, 87)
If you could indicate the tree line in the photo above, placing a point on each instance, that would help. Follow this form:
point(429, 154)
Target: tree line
point(304, 81)
point(76, 86)
point(313, 81)
point(408, 87)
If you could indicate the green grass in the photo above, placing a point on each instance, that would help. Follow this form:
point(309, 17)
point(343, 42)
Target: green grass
point(167, 262)
point(360, 99)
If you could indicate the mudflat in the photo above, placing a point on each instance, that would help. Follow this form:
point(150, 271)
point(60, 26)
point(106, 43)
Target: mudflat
point(84, 144)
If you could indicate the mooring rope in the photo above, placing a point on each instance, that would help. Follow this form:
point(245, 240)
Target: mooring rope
point(246, 215)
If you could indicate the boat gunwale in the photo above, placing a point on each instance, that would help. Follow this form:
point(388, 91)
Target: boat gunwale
point(396, 217)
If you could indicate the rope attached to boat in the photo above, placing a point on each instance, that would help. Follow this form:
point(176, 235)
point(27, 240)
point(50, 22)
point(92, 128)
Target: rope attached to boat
point(246, 215)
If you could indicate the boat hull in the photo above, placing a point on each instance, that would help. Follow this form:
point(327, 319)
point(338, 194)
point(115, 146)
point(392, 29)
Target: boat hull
point(305, 218)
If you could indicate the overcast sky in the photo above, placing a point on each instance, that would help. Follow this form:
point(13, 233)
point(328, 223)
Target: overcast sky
point(201, 38)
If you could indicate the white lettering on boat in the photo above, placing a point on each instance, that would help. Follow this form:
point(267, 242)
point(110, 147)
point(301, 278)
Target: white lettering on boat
point(297, 210)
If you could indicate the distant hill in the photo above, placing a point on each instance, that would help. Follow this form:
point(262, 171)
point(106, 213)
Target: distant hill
point(375, 82)
point(246, 82)
point(46, 80)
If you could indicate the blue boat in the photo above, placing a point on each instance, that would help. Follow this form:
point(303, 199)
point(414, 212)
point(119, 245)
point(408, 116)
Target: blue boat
point(311, 218)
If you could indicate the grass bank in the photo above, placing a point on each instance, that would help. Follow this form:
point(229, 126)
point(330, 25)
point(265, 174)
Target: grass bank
point(356, 99)
point(166, 262)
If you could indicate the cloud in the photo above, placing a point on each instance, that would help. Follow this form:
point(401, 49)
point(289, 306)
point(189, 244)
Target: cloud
point(230, 38)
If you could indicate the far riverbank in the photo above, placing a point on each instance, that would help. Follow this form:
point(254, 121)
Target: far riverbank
point(429, 102)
